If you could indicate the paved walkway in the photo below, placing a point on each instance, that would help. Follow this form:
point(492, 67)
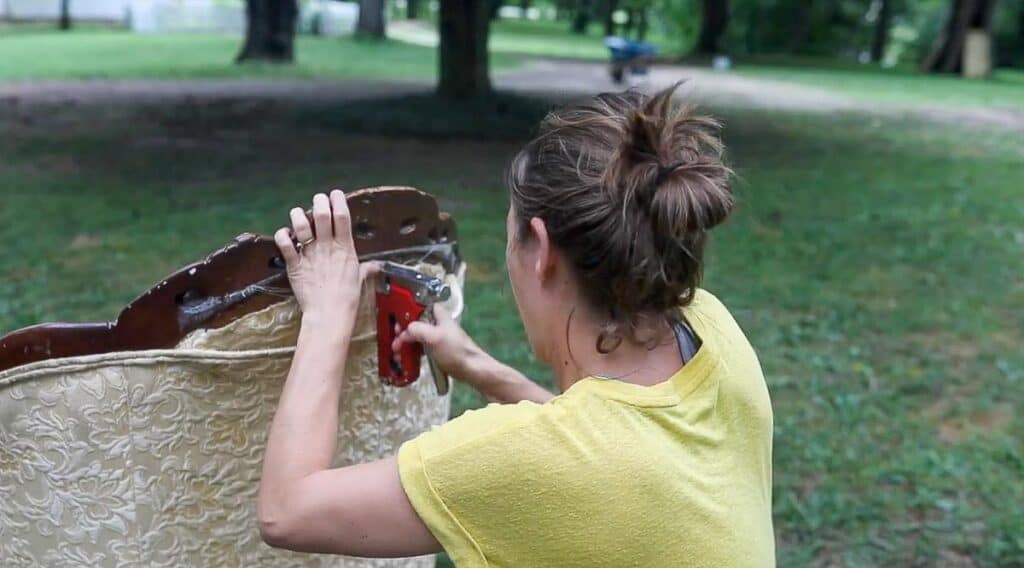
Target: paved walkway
point(545, 77)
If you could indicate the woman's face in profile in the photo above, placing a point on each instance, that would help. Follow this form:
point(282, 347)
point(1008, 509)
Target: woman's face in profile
point(526, 289)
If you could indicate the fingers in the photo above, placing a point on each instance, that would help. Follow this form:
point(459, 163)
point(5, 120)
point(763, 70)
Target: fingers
point(283, 238)
point(441, 314)
point(342, 217)
point(331, 219)
point(322, 223)
point(300, 225)
point(369, 269)
point(417, 332)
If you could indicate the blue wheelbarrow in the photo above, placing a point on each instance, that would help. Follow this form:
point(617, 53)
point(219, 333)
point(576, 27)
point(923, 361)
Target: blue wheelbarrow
point(629, 55)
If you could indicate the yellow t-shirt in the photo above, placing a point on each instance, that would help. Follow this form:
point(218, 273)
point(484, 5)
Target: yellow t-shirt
point(611, 473)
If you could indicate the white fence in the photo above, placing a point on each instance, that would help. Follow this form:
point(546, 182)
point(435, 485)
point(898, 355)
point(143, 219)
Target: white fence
point(93, 10)
point(160, 16)
point(325, 17)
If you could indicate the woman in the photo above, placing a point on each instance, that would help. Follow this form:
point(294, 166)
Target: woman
point(658, 450)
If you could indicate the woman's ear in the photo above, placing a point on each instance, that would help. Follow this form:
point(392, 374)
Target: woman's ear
point(545, 257)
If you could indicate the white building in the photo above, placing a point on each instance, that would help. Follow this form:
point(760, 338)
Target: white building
point(328, 17)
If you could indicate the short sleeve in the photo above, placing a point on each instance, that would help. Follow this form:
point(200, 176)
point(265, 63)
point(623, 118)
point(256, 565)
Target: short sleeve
point(455, 473)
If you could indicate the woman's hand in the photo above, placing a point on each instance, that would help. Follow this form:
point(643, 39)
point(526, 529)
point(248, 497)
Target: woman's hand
point(459, 356)
point(450, 347)
point(323, 269)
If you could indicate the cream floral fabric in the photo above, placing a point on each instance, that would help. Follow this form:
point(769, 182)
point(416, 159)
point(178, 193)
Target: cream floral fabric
point(152, 458)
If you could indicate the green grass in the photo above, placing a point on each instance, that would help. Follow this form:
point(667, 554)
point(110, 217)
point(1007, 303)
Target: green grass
point(553, 39)
point(875, 265)
point(901, 85)
point(30, 52)
point(92, 53)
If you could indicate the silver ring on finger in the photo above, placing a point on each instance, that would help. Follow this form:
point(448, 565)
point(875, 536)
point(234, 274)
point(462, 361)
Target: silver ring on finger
point(303, 244)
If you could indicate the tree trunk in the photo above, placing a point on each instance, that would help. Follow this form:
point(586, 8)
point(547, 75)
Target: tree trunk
point(65, 15)
point(609, 17)
point(800, 25)
point(881, 37)
point(713, 21)
point(641, 24)
point(947, 53)
point(270, 31)
point(412, 9)
point(581, 18)
point(371, 19)
point(464, 27)
point(495, 7)
point(524, 8)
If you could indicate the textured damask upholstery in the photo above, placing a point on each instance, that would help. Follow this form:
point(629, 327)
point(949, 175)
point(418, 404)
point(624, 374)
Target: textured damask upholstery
point(152, 458)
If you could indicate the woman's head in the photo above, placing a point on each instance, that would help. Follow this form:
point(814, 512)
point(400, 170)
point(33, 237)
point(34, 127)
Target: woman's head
point(621, 192)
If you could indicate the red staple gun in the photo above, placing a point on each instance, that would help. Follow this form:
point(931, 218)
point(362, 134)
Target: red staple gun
point(404, 296)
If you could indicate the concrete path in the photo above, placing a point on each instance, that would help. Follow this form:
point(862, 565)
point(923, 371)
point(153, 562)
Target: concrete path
point(544, 77)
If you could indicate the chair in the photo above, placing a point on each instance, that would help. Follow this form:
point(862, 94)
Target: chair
point(140, 441)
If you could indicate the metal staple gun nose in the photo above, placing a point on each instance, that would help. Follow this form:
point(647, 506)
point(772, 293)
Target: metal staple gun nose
point(403, 296)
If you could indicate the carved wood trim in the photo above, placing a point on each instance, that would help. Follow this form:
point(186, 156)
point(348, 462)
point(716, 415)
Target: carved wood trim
point(398, 223)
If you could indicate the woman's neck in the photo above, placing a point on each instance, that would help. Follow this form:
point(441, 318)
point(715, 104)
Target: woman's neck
point(630, 361)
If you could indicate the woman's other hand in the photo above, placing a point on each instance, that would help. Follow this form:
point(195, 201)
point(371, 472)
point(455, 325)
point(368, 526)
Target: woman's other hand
point(459, 356)
point(450, 347)
point(323, 268)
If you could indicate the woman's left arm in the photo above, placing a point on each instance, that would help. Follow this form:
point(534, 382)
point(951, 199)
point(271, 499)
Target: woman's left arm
point(360, 510)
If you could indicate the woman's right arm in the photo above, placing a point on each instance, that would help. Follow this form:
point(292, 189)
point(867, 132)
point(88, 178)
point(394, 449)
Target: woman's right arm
point(459, 356)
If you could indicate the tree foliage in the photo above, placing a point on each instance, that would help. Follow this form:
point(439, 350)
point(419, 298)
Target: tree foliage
point(882, 31)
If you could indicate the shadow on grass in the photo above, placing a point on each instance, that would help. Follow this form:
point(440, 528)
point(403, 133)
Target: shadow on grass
point(497, 117)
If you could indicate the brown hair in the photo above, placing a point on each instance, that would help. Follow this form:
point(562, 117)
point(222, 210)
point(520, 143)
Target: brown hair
point(628, 185)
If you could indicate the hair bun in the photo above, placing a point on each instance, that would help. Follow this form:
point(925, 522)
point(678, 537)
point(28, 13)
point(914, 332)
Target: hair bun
point(670, 164)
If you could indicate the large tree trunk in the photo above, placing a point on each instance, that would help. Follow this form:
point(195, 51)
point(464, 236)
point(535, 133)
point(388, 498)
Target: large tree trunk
point(713, 21)
point(581, 18)
point(371, 18)
point(412, 9)
point(609, 17)
point(881, 38)
point(270, 31)
point(800, 25)
point(65, 15)
point(464, 26)
point(948, 52)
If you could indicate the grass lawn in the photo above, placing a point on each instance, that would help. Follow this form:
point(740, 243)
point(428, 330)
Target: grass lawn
point(30, 52)
point(107, 53)
point(553, 39)
point(876, 266)
point(901, 85)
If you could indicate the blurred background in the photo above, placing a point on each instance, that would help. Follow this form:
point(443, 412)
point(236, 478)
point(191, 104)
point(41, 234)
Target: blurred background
point(876, 259)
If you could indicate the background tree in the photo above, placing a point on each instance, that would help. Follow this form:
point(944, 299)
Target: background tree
point(371, 18)
point(270, 31)
point(581, 19)
point(64, 22)
point(412, 9)
point(964, 15)
point(611, 6)
point(880, 39)
point(464, 64)
point(714, 18)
